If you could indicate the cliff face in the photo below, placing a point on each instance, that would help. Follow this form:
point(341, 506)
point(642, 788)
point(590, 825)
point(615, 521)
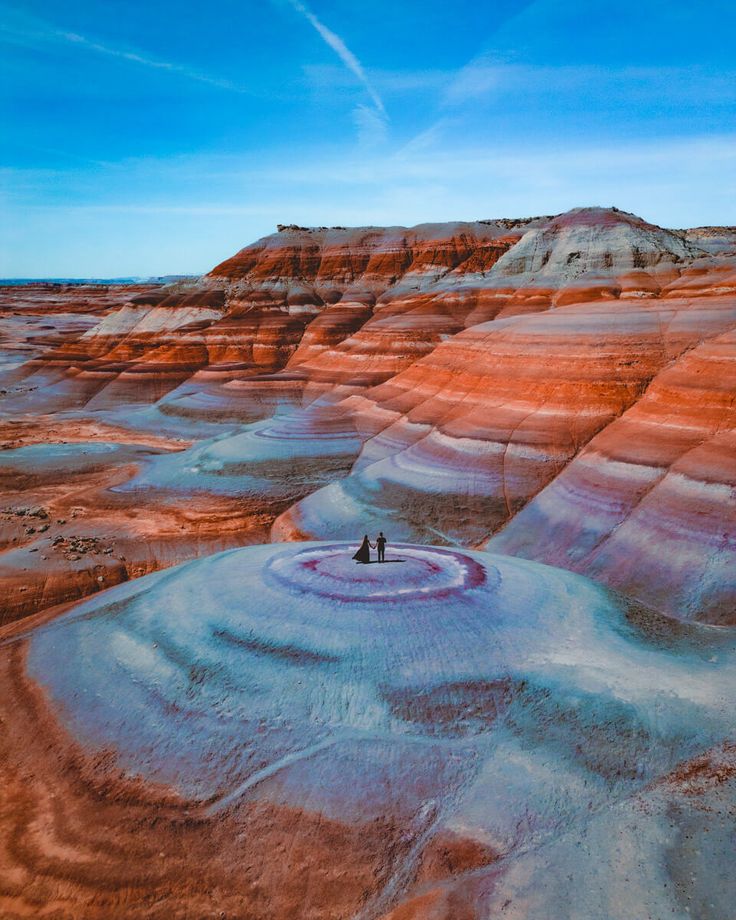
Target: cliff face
point(648, 505)
point(472, 383)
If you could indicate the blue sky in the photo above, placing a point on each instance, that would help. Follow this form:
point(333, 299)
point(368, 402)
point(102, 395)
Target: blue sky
point(160, 138)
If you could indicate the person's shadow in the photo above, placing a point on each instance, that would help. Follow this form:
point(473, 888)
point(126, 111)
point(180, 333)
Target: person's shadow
point(385, 561)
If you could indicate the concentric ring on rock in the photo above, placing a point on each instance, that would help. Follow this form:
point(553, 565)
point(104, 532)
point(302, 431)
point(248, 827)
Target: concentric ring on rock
point(330, 571)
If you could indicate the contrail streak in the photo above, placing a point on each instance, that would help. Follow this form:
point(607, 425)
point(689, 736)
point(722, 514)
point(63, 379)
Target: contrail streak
point(135, 58)
point(341, 50)
point(34, 32)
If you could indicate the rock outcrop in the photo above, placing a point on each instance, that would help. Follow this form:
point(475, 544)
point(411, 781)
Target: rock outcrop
point(461, 383)
point(648, 506)
point(278, 732)
point(457, 444)
point(526, 712)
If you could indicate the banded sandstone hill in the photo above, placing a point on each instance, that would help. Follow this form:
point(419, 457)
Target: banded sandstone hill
point(272, 732)
point(560, 388)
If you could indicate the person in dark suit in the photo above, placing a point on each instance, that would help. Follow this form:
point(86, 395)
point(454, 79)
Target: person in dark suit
point(381, 545)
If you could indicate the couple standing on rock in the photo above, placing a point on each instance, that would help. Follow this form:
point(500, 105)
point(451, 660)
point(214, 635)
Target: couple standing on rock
point(364, 552)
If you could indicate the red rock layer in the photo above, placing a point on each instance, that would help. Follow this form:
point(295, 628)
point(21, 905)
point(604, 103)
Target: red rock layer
point(250, 314)
point(463, 439)
point(67, 531)
point(228, 348)
point(649, 506)
point(39, 319)
point(241, 377)
point(72, 374)
point(475, 360)
point(423, 284)
point(581, 256)
point(81, 840)
point(327, 263)
point(52, 298)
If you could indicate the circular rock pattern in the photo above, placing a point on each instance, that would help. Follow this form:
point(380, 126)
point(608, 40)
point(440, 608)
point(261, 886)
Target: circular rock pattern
point(331, 572)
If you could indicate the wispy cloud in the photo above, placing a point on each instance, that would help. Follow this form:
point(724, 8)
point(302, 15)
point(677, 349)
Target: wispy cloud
point(386, 82)
point(477, 78)
point(342, 51)
point(487, 79)
point(490, 84)
point(371, 125)
point(34, 32)
point(136, 57)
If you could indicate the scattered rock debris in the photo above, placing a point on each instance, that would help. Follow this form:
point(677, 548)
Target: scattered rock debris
point(40, 513)
point(74, 547)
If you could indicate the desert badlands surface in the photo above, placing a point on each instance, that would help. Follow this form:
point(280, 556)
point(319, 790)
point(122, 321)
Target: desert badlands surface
point(209, 710)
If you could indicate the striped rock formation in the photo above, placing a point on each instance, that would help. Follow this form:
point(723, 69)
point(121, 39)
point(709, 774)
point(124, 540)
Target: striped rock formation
point(272, 730)
point(462, 440)
point(648, 506)
point(449, 382)
point(378, 299)
point(39, 317)
point(278, 732)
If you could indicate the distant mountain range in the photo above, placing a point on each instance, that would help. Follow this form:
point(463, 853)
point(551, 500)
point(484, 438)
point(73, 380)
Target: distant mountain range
point(155, 279)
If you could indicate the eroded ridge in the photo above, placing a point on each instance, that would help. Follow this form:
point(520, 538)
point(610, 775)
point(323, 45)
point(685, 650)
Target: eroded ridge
point(280, 732)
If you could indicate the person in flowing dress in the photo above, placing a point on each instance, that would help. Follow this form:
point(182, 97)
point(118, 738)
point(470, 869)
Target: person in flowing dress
point(364, 551)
